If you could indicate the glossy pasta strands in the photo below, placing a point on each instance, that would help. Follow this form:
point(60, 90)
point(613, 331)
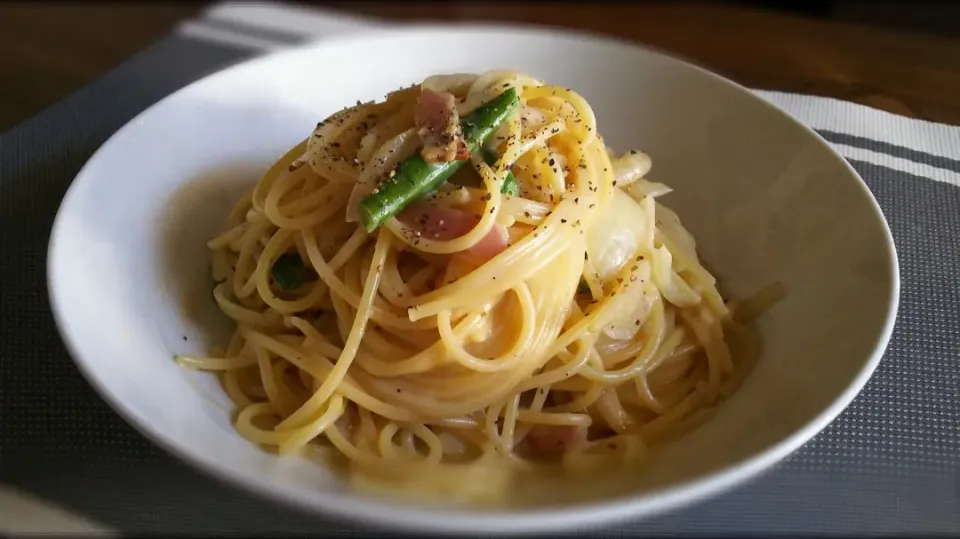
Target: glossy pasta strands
point(562, 329)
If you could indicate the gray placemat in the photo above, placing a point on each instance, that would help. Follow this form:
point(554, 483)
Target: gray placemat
point(889, 465)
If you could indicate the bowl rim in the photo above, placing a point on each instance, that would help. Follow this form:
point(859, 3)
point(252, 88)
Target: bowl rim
point(384, 514)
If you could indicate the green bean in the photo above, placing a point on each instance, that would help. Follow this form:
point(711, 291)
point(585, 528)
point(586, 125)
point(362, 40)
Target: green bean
point(415, 177)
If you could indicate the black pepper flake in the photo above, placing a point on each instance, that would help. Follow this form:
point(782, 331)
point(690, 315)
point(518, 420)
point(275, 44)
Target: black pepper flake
point(552, 161)
point(563, 221)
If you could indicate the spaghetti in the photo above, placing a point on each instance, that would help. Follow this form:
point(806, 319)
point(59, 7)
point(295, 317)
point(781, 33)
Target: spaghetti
point(534, 307)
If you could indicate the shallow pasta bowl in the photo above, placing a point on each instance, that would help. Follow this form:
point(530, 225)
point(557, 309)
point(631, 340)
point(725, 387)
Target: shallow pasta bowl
point(766, 198)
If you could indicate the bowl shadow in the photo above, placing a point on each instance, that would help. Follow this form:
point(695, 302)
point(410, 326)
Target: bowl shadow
point(196, 213)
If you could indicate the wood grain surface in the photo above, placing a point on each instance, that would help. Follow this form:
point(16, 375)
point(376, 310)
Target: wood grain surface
point(49, 50)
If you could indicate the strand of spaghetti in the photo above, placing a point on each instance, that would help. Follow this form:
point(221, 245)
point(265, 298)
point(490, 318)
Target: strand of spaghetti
point(274, 248)
point(319, 154)
point(353, 341)
point(718, 355)
point(354, 453)
point(583, 123)
point(336, 286)
point(653, 329)
point(320, 368)
point(428, 359)
point(385, 441)
point(264, 320)
point(612, 412)
point(314, 208)
point(512, 356)
point(247, 428)
point(508, 432)
point(541, 418)
point(214, 363)
point(524, 259)
point(224, 240)
point(314, 339)
point(303, 435)
point(231, 385)
point(350, 248)
point(280, 165)
point(243, 276)
point(276, 397)
point(569, 368)
point(697, 272)
point(493, 181)
point(238, 215)
point(535, 142)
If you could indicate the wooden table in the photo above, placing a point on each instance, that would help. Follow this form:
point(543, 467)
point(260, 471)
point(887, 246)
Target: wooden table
point(48, 51)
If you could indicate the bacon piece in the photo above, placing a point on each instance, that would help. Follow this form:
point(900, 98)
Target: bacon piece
point(438, 124)
point(440, 223)
point(554, 439)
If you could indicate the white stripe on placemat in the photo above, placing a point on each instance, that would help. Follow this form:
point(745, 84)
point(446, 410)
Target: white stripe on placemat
point(897, 163)
point(22, 514)
point(199, 30)
point(913, 146)
point(295, 21)
point(830, 114)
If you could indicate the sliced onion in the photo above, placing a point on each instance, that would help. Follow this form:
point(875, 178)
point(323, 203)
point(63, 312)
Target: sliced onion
point(615, 235)
point(532, 117)
point(326, 133)
point(379, 165)
point(630, 167)
point(645, 188)
point(628, 310)
point(669, 224)
point(448, 83)
point(367, 147)
point(452, 445)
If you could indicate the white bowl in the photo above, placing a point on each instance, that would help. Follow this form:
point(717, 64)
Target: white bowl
point(766, 198)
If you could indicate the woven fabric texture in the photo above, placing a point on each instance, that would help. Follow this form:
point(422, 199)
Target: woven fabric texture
point(889, 464)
